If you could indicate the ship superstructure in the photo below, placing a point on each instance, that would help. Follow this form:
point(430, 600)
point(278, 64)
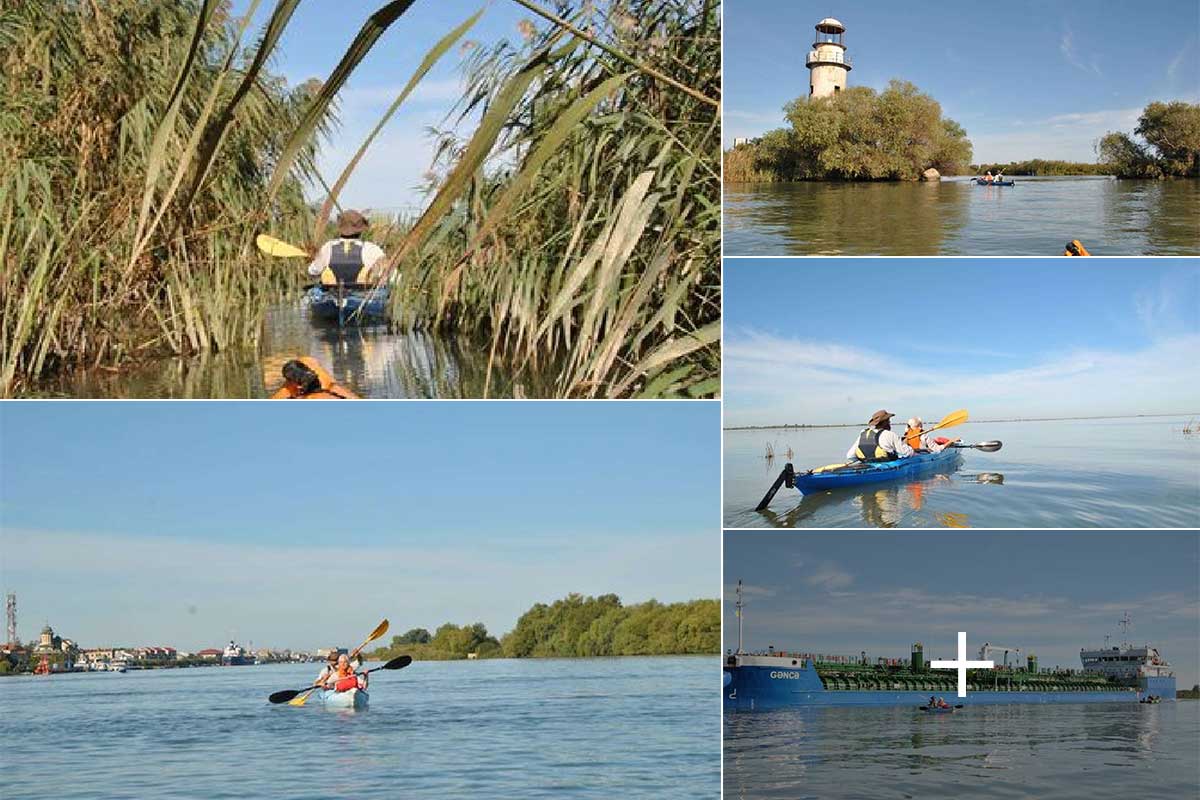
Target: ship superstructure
point(236, 656)
point(778, 679)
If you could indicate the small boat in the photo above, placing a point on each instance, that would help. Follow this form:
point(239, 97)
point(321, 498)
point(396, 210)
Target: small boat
point(356, 699)
point(356, 304)
point(995, 183)
point(938, 710)
point(859, 473)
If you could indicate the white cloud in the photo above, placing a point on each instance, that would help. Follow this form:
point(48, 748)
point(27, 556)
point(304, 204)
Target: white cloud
point(771, 380)
point(1067, 47)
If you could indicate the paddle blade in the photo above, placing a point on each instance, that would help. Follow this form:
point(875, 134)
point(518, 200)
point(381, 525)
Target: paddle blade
point(952, 419)
point(284, 696)
point(278, 248)
point(989, 447)
point(302, 699)
point(399, 662)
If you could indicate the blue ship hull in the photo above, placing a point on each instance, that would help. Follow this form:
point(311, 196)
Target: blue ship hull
point(760, 688)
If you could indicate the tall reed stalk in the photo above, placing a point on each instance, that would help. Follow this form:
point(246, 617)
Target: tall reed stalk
point(142, 145)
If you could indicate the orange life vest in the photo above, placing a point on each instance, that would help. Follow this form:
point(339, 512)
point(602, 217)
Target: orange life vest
point(330, 389)
point(1075, 248)
point(912, 437)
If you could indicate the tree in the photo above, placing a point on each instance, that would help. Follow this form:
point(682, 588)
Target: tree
point(1172, 135)
point(413, 636)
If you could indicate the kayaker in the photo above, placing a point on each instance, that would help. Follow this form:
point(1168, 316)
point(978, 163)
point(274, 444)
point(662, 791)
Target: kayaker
point(1075, 248)
point(878, 442)
point(344, 677)
point(305, 379)
point(349, 258)
point(915, 438)
point(987, 178)
point(327, 671)
point(999, 176)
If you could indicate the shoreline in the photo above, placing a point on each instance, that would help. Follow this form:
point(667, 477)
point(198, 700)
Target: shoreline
point(801, 426)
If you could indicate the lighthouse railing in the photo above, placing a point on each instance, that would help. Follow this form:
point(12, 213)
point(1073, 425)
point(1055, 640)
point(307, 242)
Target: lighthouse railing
point(817, 57)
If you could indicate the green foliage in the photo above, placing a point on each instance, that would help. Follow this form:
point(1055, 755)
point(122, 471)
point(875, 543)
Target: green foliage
point(414, 636)
point(856, 135)
point(105, 110)
point(1041, 166)
point(576, 626)
point(1171, 132)
point(601, 626)
point(449, 642)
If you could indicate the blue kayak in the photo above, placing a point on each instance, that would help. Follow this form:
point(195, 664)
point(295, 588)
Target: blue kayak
point(356, 699)
point(857, 474)
point(935, 710)
point(349, 306)
point(995, 183)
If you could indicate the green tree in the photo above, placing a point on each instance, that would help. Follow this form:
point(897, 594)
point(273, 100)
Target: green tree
point(1171, 132)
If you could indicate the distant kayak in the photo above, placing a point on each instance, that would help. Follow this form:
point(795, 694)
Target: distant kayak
point(349, 305)
point(933, 710)
point(995, 183)
point(857, 474)
point(356, 699)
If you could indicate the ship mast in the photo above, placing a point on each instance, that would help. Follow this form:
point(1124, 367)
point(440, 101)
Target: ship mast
point(738, 606)
point(1124, 623)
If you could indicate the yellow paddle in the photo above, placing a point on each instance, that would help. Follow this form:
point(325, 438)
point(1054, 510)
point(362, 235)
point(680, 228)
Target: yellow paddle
point(375, 634)
point(948, 421)
point(277, 247)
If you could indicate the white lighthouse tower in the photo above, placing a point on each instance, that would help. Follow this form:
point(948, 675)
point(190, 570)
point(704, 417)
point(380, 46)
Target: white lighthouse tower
point(827, 62)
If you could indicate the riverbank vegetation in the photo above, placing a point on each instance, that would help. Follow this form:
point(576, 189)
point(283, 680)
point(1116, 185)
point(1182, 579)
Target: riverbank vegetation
point(579, 223)
point(1169, 146)
point(1041, 166)
point(576, 626)
point(857, 134)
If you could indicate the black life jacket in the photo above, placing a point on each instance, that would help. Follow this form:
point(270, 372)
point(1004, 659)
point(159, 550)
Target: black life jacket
point(345, 264)
point(868, 448)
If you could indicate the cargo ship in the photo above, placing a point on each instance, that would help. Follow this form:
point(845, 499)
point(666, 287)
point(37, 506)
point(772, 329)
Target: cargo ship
point(237, 656)
point(778, 679)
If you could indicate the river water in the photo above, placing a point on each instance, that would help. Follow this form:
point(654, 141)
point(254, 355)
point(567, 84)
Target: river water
point(571, 728)
point(1119, 473)
point(1036, 217)
point(1067, 752)
point(370, 360)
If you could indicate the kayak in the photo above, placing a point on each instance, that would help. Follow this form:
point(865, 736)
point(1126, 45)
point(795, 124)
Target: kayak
point(356, 699)
point(995, 183)
point(349, 305)
point(857, 474)
point(932, 710)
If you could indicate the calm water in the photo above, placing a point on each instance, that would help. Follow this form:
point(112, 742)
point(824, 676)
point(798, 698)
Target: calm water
point(953, 217)
point(1122, 473)
point(1068, 752)
point(371, 361)
point(622, 727)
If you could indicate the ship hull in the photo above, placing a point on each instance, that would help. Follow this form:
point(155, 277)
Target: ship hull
point(767, 688)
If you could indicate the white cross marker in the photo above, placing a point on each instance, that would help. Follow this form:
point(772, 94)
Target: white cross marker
point(962, 665)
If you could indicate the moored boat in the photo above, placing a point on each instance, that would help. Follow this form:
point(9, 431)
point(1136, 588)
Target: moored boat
point(349, 305)
point(356, 699)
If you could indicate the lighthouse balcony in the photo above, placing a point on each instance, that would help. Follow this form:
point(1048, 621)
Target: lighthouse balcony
point(818, 58)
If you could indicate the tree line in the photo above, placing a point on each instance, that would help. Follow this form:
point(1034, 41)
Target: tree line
point(1169, 146)
point(575, 626)
point(857, 134)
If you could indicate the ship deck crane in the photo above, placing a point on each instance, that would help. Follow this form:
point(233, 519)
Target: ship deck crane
point(987, 649)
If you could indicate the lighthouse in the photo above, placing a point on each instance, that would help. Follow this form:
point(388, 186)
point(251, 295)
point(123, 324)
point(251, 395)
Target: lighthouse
point(827, 62)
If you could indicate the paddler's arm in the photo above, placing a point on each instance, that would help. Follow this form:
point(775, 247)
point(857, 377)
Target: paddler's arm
point(898, 444)
point(321, 261)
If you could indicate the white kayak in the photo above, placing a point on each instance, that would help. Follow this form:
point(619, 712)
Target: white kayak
point(356, 699)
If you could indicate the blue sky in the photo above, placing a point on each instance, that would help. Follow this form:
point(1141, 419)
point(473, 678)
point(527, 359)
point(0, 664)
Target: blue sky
point(829, 341)
point(297, 524)
point(317, 37)
point(1051, 593)
point(1026, 79)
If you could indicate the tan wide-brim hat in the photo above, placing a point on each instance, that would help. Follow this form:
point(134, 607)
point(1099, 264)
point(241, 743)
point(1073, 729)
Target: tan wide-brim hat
point(351, 222)
point(880, 417)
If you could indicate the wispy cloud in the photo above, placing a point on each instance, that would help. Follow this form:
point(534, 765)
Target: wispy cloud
point(1175, 63)
point(1067, 47)
point(772, 380)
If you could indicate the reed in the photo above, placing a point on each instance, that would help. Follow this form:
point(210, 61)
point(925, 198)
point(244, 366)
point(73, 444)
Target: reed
point(144, 146)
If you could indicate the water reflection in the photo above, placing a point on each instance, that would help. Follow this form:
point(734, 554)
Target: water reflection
point(1035, 217)
point(370, 360)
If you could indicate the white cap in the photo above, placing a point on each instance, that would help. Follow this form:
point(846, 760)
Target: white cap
point(915, 422)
